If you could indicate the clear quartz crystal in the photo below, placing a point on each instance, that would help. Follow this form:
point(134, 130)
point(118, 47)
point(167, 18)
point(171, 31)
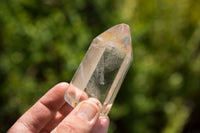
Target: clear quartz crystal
point(103, 68)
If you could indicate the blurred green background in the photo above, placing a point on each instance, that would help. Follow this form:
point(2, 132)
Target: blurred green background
point(42, 43)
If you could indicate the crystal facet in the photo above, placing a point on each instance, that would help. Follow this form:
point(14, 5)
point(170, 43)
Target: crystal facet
point(103, 68)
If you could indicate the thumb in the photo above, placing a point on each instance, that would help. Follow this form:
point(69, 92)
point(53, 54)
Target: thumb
point(82, 119)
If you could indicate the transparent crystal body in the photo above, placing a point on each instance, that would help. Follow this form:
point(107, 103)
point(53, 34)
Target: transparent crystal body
point(103, 68)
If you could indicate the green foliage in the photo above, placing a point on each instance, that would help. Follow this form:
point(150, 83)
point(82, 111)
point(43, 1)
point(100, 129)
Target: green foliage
point(42, 43)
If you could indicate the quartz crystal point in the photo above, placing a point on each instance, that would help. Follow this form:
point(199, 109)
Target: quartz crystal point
point(103, 68)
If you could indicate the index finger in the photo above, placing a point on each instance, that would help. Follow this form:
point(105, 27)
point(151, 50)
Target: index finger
point(42, 111)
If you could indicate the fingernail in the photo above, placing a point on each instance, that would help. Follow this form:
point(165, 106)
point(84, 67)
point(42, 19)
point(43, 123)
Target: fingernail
point(104, 119)
point(94, 100)
point(87, 111)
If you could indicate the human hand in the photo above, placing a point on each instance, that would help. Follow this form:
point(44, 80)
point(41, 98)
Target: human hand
point(52, 114)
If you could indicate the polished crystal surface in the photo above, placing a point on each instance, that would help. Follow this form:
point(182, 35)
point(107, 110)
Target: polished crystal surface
point(103, 68)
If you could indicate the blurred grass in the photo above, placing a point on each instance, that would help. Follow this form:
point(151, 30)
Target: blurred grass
point(42, 43)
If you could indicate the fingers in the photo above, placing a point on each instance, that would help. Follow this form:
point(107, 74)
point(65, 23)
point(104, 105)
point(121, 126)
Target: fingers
point(42, 111)
point(71, 93)
point(75, 95)
point(101, 125)
point(59, 116)
point(51, 109)
point(82, 119)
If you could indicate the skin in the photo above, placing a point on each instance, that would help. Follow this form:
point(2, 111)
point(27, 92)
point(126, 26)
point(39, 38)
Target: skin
point(52, 114)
